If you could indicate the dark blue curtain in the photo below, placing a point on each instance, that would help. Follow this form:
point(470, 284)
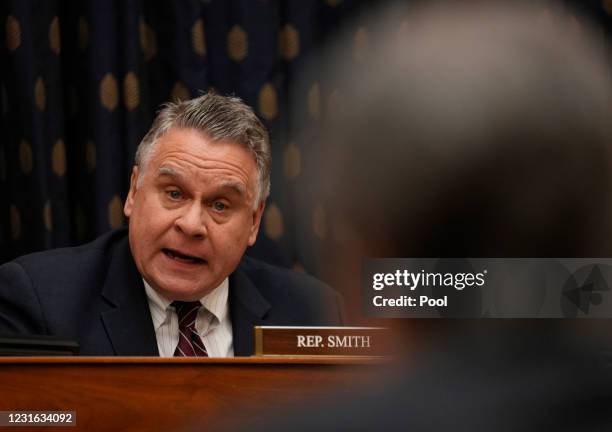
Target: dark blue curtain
point(82, 80)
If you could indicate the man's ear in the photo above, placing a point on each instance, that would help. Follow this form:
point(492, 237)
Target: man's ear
point(257, 213)
point(129, 201)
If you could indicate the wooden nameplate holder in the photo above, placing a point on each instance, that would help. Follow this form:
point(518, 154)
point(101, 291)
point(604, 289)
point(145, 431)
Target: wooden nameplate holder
point(321, 341)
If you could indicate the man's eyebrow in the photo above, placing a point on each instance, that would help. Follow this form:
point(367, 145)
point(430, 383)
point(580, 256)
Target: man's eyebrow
point(168, 171)
point(235, 186)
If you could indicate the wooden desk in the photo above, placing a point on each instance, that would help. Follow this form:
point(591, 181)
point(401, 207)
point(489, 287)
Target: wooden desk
point(137, 393)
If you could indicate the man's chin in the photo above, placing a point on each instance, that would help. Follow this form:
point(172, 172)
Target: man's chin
point(182, 290)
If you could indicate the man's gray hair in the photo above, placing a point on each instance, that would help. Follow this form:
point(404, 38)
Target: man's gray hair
point(219, 118)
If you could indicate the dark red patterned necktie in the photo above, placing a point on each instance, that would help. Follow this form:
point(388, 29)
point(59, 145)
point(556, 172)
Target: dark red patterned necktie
point(189, 344)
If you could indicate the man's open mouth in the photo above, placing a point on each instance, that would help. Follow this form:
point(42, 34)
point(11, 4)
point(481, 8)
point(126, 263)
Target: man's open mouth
point(176, 255)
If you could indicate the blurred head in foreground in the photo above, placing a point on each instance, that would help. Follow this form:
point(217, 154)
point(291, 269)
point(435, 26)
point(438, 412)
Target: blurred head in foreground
point(473, 130)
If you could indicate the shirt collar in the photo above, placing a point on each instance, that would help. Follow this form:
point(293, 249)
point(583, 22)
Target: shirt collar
point(215, 302)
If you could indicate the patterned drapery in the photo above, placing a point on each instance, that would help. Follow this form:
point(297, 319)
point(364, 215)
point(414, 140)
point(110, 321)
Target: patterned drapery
point(82, 80)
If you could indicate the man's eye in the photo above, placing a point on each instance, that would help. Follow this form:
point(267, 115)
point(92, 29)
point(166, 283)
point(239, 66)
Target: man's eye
point(174, 194)
point(219, 206)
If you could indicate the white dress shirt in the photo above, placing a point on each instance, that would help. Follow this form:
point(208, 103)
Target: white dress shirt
point(213, 322)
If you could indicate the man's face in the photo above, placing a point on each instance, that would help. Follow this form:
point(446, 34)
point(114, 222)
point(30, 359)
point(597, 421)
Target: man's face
point(193, 213)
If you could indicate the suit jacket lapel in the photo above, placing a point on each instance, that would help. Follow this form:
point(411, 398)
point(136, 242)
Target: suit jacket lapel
point(247, 309)
point(128, 321)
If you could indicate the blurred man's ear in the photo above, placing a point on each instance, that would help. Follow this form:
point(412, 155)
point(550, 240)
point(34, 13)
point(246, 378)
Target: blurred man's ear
point(257, 213)
point(129, 201)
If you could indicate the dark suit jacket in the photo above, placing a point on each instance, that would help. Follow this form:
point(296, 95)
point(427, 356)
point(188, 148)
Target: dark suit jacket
point(94, 294)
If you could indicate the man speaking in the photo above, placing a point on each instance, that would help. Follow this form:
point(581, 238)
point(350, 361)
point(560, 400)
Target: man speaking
point(176, 282)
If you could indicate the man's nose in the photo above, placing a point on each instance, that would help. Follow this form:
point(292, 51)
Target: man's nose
point(192, 220)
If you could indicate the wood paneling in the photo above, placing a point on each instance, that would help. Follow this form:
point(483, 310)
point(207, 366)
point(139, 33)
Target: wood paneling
point(171, 394)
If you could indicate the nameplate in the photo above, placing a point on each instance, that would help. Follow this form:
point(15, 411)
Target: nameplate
point(321, 341)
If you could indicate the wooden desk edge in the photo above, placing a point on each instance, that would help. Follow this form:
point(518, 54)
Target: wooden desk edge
point(281, 360)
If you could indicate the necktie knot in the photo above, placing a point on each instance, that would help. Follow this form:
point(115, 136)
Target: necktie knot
point(187, 313)
point(190, 344)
